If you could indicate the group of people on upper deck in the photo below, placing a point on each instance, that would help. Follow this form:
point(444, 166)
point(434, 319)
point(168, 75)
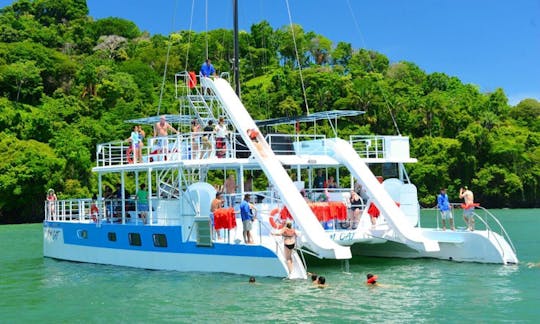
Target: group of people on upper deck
point(203, 141)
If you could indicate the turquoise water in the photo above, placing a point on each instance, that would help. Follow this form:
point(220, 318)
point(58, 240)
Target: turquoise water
point(35, 289)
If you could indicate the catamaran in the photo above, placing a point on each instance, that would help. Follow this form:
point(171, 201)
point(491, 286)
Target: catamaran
point(176, 230)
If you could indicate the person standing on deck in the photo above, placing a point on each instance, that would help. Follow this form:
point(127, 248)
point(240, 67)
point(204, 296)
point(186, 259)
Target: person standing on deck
point(161, 129)
point(247, 219)
point(216, 204)
point(142, 201)
point(468, 207)
point(221, 134)
point(51, 202)
point(230, 189)
point(206, 139)
point(446, 210)
point(207, 69)
point(319, 180)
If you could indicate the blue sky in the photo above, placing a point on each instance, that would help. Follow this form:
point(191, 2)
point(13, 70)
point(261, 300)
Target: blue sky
point(487, 43)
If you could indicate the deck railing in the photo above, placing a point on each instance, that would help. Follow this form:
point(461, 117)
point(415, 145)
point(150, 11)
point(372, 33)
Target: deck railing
point(488, 221)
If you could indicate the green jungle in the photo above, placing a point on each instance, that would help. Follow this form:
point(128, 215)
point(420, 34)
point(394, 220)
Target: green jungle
point(68, 82)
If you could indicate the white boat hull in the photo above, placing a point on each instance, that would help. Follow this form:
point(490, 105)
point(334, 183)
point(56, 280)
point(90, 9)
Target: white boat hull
point(463, 246)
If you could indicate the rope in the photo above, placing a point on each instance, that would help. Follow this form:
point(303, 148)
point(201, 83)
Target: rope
point(167, 59)
point(386, 101)
point(206, 25)
point(297, 57)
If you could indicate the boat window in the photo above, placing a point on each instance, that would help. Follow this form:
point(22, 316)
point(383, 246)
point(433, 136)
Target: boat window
point(134, 239)
point(160, 240)
point(112, 236)
point(82, 234)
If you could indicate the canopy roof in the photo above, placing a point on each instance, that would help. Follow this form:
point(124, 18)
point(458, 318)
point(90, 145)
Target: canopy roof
point(328, 115)
point(321, 115)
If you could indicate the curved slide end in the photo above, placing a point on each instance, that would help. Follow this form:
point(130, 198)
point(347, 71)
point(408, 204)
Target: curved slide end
point(343, 151)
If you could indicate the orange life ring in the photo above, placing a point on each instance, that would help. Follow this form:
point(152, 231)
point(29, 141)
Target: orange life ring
point(275, 219)
point(129, 155)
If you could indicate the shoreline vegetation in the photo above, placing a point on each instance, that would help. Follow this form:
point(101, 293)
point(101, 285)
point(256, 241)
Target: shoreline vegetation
point(68, 82)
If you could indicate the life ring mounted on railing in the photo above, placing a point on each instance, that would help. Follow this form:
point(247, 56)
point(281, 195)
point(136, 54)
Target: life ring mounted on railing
point(275, 219)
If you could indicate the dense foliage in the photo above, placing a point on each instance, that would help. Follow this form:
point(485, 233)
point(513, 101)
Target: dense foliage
point(68, 82)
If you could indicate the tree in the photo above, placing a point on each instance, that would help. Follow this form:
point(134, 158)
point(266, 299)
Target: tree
point(27, 169)
point(21, 81)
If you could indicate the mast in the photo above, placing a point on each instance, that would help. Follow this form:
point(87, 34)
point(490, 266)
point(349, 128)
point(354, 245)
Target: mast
point(236, 49)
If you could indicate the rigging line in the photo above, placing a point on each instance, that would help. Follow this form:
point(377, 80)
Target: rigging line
point(386, 101)
point(297, 57)
point(167, 57)
point(189, 34)
point(206, 25)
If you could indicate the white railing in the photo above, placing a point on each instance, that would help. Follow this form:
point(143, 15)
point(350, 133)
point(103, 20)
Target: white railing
point(182, 147)
point(381, 147)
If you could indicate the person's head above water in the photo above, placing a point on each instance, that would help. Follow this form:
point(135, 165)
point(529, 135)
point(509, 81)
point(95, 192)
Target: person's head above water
point(251, 279)
point(371, 279)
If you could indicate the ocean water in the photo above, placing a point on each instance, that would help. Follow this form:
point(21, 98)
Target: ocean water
point(35, 289)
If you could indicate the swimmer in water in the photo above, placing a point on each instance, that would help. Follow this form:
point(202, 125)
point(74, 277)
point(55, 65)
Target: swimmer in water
point(321, 282)
point(371, 280)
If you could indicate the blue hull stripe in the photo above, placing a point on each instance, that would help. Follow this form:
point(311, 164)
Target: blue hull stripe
point(98, 237)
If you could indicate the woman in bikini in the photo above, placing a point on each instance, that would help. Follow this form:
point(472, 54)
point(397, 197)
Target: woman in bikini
point(289, 240)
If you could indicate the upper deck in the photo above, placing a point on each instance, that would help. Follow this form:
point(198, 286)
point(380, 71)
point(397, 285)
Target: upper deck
point(200, 148)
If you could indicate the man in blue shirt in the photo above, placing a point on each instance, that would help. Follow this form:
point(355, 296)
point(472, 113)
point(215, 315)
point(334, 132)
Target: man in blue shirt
point(207, 69)
point(444, 207)
point(247, 219)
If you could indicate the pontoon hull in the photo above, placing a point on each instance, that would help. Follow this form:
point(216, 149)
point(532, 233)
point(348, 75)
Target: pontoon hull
point(63, 241)
point(463, 246)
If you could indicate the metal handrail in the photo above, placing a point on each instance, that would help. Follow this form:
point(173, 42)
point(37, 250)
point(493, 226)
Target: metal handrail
point(501, 230)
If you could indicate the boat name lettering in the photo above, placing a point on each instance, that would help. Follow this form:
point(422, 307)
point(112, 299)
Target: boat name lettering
point(347, 236)
point(52, 234)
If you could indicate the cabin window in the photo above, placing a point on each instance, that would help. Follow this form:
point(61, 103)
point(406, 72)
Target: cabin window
point(82, 234)
point(160, 240)
point(134, 239)
point(111, 236)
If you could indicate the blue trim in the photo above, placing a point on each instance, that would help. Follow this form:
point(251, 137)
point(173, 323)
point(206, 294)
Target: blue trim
point(98, 237)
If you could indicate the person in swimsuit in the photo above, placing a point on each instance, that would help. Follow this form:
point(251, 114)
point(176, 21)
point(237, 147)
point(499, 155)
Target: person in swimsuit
point(289, 240)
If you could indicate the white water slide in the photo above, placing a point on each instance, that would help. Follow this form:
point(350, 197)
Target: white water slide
point(317, 239)
point(344, 152)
